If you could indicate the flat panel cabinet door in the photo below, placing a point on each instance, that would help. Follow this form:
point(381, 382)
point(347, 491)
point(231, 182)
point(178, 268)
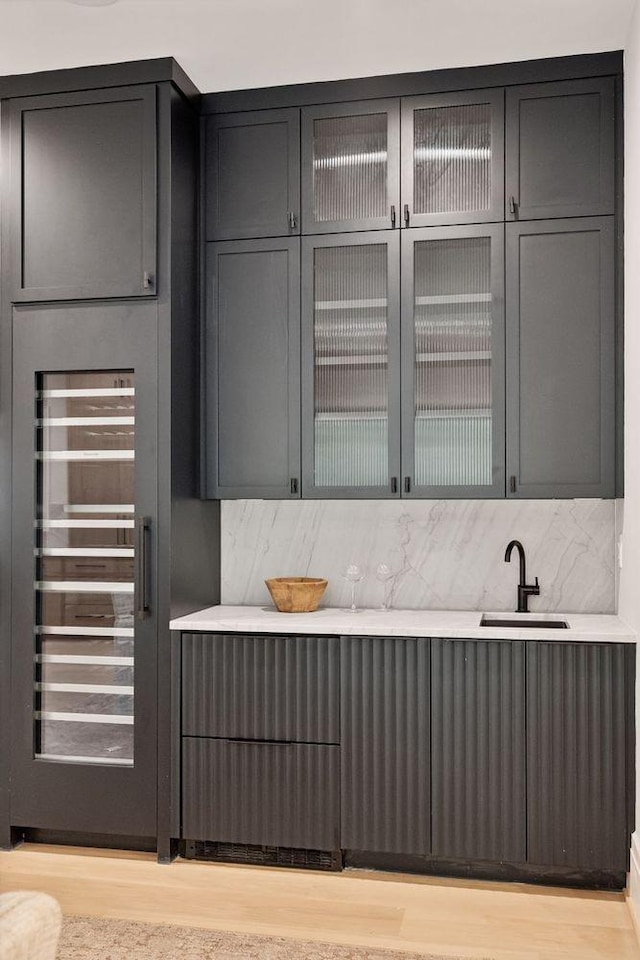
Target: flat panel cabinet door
point(561, 358)
point(351, 166)
point(253, 175)
point(350, 365)
point(453, 362)
point(478, 799)
point(580, 754)
point(84, 598)
point(560, 149)
point(453, 158)
point(83, 194)
point(253, 369)
point(385, 748)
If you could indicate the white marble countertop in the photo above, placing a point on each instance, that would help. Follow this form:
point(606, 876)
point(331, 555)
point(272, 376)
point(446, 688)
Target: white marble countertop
point(401, 623)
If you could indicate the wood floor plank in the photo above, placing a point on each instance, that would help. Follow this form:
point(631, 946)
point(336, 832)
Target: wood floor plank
point(460, 918)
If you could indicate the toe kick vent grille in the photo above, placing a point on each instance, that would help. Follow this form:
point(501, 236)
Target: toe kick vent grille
point(266, 856)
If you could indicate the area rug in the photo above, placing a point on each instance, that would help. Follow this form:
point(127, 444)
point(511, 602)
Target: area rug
point(91, 938)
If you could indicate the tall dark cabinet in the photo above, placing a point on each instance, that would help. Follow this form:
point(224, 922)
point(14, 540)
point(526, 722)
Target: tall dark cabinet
point(109, 538)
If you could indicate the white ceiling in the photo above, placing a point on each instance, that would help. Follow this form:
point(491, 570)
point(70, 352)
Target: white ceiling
point(229, 44)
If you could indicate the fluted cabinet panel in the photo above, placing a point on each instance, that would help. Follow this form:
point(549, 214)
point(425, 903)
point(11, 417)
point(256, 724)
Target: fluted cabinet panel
point(273, 794)
point(478, 750)
point(579, 743)
point(385, 744)
point(260, 687)
point(350, 167)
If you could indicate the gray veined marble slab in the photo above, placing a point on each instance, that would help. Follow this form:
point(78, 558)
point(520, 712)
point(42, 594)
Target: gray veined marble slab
point(397, 623)
point(443, 554)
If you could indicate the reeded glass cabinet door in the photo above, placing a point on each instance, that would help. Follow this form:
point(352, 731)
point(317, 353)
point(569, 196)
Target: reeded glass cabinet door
point(453, 158)
point(350, 363)
point(350, 167)
point(453, 362)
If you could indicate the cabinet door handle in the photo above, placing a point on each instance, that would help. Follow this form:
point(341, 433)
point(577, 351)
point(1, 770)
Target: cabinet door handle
point(406, 215)
point(394, 484)
point(407, 484)
point(512, 484)
point(393, 216)
point(513, 207)
point(147, 280)
point(293, 484)
point(141, 579)
point(293, 220)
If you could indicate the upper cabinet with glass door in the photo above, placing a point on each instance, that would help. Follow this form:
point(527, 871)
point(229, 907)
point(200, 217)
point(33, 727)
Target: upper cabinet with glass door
point(351, 166)
point(453, 158)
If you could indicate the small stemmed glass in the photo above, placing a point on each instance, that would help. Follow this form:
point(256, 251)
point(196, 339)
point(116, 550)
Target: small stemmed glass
point(353, 575)
point(384, 574)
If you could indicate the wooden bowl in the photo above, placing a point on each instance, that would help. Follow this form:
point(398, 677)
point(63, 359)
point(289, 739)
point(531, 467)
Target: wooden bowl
point(296, 594)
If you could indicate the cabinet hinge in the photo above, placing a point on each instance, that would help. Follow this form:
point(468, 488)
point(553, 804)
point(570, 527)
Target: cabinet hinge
point(294, 484)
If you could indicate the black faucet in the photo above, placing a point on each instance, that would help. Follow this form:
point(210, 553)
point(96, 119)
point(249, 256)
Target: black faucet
point(525, 590)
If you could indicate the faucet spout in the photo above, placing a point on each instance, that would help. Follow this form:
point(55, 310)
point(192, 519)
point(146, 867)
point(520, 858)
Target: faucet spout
point(525, 590)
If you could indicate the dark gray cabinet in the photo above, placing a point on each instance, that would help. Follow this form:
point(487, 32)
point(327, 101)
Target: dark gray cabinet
point(580, 754)
point(351, 365)
point(478, 750)
point(253, 175)
point(261, 793)
point(453, 405)
point(253, 369)
point(351, 166)
point(260, 687)
point(82, 205)
point(385, 745)
point(507, 759)
point(561, 358)
point(560, 149)
point(453, 158)
point(260, 734)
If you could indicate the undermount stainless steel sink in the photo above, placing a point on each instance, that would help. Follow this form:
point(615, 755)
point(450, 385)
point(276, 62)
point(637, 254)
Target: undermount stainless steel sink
point(518, 622)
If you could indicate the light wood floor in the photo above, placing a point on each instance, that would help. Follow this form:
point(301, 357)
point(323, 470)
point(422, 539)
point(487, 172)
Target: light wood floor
point(452, 917)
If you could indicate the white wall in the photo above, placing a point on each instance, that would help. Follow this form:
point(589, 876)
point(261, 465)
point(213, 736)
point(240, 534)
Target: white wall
point(229, 44)
point(629, 603)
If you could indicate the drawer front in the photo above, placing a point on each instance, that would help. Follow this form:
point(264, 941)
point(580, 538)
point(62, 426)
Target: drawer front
point(261, 687)
point(272, 794)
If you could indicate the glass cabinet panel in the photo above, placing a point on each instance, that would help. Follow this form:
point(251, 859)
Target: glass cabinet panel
point(350, 167)
point(456, 350)
point(453, 158)
point(353, 319)
point(84, 545)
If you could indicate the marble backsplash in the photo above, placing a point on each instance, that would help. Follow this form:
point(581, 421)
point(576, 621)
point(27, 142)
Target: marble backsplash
point(442, 554)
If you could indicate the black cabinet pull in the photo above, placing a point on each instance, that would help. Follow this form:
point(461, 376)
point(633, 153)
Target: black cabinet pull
point(406, 214)
point(512, 484)
point(407, 484)
point(141, 578)
point(393, 215)
point(293, 221)
point(394, 484)
point(293, 484)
